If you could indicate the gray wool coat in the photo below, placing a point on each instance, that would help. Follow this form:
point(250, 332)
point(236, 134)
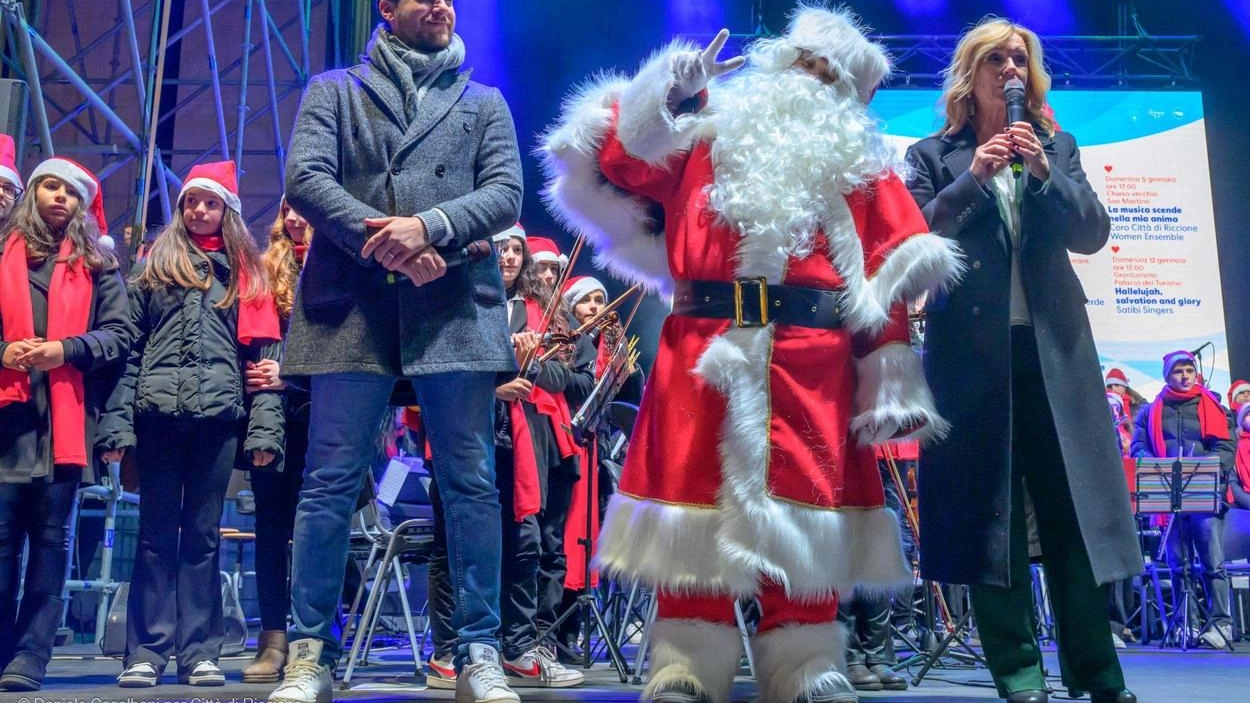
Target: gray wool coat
point(964, 479)
point(352, 156)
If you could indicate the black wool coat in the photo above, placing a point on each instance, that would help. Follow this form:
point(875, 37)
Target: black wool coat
point(964, 480)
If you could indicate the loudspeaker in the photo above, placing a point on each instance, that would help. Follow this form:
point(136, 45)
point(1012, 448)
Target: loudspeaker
point(14, 97)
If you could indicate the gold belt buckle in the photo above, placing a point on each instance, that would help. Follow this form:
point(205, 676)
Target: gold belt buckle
point(762, 283)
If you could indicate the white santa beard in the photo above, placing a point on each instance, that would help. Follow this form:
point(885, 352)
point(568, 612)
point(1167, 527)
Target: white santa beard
point(787, 150)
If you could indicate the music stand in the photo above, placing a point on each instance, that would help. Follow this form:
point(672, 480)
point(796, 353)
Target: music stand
point(1180, 487)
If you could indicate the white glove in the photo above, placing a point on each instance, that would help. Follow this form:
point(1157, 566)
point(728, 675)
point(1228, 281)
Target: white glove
point(693, 70)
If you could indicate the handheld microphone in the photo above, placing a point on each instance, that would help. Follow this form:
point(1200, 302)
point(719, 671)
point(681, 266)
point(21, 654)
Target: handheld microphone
point(1013, 93)
point(473, 251)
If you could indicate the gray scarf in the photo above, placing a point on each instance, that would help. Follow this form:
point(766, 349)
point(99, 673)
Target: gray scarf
point(412, 71)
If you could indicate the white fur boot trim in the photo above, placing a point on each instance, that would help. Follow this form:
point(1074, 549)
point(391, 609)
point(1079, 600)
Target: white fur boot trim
point(694, 651)
point(797, 658)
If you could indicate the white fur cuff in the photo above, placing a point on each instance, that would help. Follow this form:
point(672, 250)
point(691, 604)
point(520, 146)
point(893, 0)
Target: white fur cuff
point(924, 262)
point(698, 651)
point(647, 128)
point(892, 393)
point(793, 660)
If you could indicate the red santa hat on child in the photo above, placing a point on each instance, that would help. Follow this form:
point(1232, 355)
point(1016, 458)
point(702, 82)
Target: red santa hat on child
point(8, 161)
point(543, 249)
point(834, 35)
point(219, 178)
point(579, 287)
point(514, 231)
point(1115, 376)
point(1237, 387)
point(78, 177)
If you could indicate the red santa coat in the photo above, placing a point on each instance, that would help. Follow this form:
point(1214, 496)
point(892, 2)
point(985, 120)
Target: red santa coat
point(744, 463)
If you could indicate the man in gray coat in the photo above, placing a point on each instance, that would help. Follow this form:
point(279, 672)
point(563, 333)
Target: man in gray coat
point(396, 162)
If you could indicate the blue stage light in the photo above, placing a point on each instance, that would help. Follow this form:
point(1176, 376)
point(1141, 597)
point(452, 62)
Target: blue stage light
point(1043, 16)
point(923, 8)
point(1240, 10)
point(695, 16)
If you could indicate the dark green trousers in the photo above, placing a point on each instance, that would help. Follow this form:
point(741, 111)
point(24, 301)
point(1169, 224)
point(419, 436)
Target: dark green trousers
point(1004, 616)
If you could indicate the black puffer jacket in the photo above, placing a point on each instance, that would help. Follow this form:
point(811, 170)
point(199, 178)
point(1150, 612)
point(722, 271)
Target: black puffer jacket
point(186, 362)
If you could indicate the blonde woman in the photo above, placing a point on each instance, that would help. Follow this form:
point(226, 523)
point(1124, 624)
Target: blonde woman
point(1018, 322)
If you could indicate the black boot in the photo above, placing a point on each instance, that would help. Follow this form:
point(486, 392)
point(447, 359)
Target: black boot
point(1032, 696)
point(37, 622)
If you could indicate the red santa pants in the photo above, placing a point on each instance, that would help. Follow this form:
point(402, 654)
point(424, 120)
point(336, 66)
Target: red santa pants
point(778, 609)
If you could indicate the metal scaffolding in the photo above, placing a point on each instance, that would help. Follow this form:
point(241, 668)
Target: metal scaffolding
point(109, 79)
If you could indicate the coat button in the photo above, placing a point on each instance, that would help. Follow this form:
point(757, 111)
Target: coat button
point(396, 170)
point(976, 264)
point(976, 310)
point(440, 170)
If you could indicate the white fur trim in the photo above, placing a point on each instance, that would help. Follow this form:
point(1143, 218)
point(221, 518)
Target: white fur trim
point(892, 393)
point(514, 231)
point(793, 660)
point(230, 199)
point(697, 652)
point(628, 241)
point(664, 546)
point(647, 128)
point(838, 36)
point(583, 287)
point(76, 176)
point(921, 263)
point(1236, 389)
point(10, 175)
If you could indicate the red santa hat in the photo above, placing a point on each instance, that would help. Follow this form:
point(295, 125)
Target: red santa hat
point(579, 287)
point(219, 178)
point(8, 160)
point(514, 231)
point(543, 249)
point(80, 179)
point(1237, 387)
point(837, 37)
point(1115, 376)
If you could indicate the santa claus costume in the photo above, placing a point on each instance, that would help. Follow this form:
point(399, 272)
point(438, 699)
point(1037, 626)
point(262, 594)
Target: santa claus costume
point(768, 207)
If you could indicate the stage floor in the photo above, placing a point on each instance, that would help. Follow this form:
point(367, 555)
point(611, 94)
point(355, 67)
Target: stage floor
point(1196, 676)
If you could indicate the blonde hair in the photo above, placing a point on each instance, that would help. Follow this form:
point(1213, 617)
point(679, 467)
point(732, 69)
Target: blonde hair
point(281, 265)
point(990, 34)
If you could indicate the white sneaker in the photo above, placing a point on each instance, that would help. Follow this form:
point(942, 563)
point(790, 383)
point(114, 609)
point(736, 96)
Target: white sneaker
point(305, 679)
point(204, 673)
point(482, 679)
point(139, 675)
point(1118, 641)
point(539, 668)
point(1217, 636)
point(441, 673)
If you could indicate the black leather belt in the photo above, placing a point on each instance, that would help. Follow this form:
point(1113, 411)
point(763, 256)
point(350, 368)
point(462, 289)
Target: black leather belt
point(753, 302)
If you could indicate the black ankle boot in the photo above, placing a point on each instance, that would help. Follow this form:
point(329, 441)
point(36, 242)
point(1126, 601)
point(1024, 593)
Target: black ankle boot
point(24, 673)
point(1033, 696)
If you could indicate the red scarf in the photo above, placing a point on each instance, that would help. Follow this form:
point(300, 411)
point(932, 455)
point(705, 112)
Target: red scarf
point(258, 316)
point(301, 252)
point(552, 405)
point(1212, 422)
point(69, 307)
point(1243, 463)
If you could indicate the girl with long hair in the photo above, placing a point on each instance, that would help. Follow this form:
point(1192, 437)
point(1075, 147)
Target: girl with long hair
point(277, 492)
point(202, 309)
point(65, 328)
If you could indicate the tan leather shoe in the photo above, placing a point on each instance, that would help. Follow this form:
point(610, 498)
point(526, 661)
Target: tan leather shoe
point(270, 658)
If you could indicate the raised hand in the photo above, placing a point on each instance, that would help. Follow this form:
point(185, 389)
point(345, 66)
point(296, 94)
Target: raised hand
point(693, 70)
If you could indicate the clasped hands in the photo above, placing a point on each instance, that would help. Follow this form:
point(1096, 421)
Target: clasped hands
point(402, 245)
point(34, 353)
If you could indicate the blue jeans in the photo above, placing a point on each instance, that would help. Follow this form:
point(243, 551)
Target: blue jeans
point(458, 411)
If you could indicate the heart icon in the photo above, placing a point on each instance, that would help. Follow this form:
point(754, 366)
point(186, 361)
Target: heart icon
point(1108, 168)
point(1115, 250)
